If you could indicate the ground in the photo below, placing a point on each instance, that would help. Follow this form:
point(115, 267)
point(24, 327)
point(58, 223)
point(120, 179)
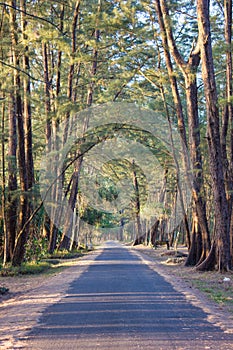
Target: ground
point(212, 286)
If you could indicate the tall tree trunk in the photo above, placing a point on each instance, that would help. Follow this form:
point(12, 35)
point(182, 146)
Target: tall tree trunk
point(188, 70)
point(137, 204)
point(6, 249)
point(19, 249)
point(221, 244)
point(185, 219)
point(47, 87)
point(199, 215)
point(12, 200)
point(227, 123)
point(27, 102)
point(50, 229)
point(66, 236)
point(65, 240)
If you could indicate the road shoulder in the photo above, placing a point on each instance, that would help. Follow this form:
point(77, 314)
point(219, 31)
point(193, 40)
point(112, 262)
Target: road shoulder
point(181, 278)
point(30, 296)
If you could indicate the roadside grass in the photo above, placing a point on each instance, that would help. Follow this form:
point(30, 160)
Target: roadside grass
point(49, 264)
point(27, 268)
point(65, 254)
point(214, 286)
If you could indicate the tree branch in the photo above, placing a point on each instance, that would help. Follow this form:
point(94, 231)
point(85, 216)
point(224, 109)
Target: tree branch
point(30, 15)
point(164, 13)
point(21, 71)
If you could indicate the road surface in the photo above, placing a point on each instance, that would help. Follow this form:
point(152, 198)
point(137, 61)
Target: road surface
point(120, 303)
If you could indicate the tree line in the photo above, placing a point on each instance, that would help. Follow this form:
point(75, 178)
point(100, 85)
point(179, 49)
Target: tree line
point(59, 58)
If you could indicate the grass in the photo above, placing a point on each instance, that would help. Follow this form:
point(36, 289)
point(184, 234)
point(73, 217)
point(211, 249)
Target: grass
point(217, 290)
point(49, 264)
point(65, 254)
point(29, 268)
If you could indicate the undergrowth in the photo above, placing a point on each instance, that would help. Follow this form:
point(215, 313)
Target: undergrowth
point(46, 264)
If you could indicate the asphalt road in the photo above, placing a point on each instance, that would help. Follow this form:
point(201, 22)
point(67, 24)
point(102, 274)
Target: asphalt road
point(120, 303)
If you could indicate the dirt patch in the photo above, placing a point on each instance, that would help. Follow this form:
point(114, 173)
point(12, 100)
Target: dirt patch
point(19, 285)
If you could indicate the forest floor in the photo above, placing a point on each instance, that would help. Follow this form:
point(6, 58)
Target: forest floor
point(215, 287)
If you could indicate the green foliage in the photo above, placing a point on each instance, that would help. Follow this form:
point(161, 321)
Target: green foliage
point(217, 290)
point(29, 268)
point(98, 218)
point(47, 263)
point(63, 254)
point(36, 248)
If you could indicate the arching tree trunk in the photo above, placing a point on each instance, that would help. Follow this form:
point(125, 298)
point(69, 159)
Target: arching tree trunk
point(65, 240)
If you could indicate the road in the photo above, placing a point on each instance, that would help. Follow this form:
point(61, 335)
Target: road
point(120, 303)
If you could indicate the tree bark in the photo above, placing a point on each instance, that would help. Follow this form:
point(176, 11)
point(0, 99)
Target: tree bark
point(12, 200)
point(137, 204)
point(6, 248)
point(65, 240)
point(188, 240)
point(53, 131)
point(222, 240)
point(20, 242)
point(27, 102)
point(227, 122)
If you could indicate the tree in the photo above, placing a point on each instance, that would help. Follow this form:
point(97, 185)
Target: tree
point(220, 251)
point(189, 70)
point(19, 248)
